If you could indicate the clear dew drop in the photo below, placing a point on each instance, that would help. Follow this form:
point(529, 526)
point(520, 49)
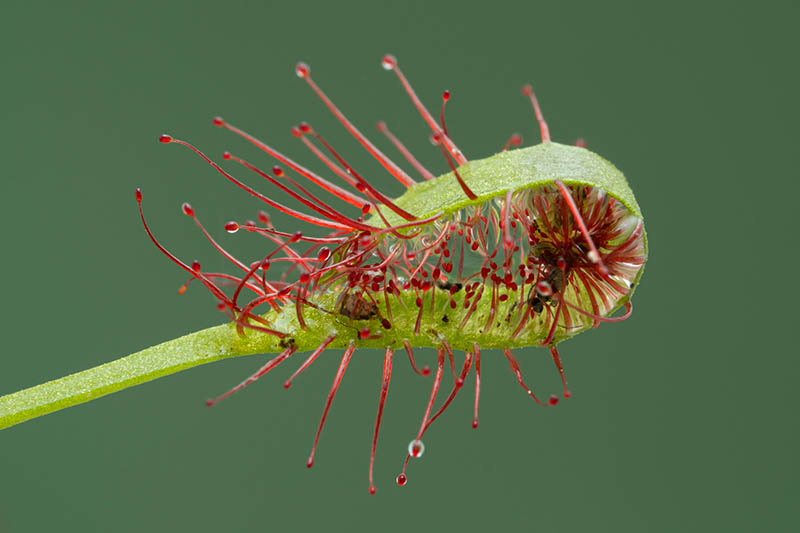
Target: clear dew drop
point(416, 448)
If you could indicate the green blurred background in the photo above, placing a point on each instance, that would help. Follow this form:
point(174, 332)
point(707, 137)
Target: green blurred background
point(684, 418)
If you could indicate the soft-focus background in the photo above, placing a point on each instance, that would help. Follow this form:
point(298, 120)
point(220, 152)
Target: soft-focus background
point(684, 418)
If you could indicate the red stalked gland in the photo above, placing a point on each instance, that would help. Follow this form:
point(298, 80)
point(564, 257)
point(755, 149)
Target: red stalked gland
point(302, 70)
point(389, 62)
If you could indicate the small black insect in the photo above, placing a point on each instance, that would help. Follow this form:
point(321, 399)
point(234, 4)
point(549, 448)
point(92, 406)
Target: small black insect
point(555, 279)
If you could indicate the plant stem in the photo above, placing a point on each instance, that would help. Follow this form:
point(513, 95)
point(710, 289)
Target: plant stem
point(195, 349)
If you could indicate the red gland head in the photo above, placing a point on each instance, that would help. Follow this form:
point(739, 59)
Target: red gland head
point(302, 70)
point(324, 254)
point(389, 62)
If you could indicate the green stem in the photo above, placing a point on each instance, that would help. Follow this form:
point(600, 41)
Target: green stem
point(195, 349)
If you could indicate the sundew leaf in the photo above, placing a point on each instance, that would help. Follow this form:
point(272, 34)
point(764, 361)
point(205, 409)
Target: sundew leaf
point(489, 178)
point(222, 342)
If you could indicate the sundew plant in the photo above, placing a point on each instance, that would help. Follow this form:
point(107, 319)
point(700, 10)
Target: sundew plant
point(527, 247)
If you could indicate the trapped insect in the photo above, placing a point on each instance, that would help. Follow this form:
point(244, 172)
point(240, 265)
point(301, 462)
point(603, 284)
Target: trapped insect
point(528, 247)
